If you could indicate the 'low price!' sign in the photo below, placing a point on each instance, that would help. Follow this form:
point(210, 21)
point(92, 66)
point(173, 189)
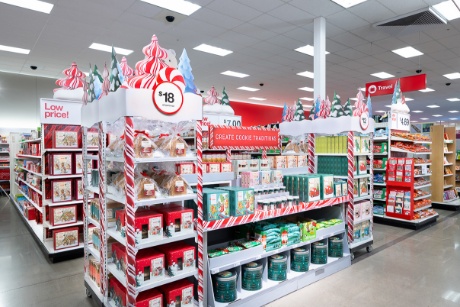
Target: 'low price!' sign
point(245, 138)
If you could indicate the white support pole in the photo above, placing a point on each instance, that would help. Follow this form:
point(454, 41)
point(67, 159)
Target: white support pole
point(320, 58)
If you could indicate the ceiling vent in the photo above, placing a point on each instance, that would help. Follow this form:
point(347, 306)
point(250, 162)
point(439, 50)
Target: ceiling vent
point(417, 21)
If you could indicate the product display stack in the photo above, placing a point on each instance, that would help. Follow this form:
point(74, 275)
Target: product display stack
point(4, 165)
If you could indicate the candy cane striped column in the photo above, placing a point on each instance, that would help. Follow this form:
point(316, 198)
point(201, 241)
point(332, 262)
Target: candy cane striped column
point(85, 198)
point(129, 208)
point(199, 146)
point(102, 206)
point(311, 153)
point(350, 205)
point(228, 154)
point(371, 179)
point(264, 154)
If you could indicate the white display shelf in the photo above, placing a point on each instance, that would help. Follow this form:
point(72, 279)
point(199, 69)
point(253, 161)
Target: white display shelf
point(380, 169)
point(30, 186)
point(94, 252)
point(51, 204)
point(94, 222)
point(95, 288)
point(192, 179)
point(422, 208)
point(152, 284)
point(332, 154)
point(293, 171)
point(31, 141)
point(355, 176)
point(4, 167)
point(448, 141)
point(394, 149)
point(395, 138)
point(63, 150)
point(93, 189)
point(28, 156)
point(450, 200)
point(362, 153)
point(36, 228)
point(379, 199)
point(422, 175)
point(422, 186)
point(30, 200)
point(411, 221)
point(380, 153)
point(423, 197)
point(50, 247)
point(154, 201)
point(364, 219)
point(448, 175)
point(116, 235)
point(62, 176)
point(448, 186)
point(448, 152)
point(46, 224)
point(153, 160)
point(91, 157)
point(422, 164)
point(365, 197)
point(378, 184)
point(29, 171)
point(448, 164)
point(357, 243)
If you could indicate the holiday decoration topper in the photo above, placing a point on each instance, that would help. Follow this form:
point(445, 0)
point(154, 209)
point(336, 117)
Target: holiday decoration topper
point(116, 77)
point(226, 108)
point(186, 71)
point(336, 107)
point(398, 102)
point(71, 86)
point(360, 106)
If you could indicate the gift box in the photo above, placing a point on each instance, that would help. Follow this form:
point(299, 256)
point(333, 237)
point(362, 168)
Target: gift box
point(92, 140)
point(30, 213)
point(362, 165)
point(265, 177)
point(357, 213)
point(291, 161)
point(179, 293)
point(216, 204)
point(148, 225)
point(119, 257)
point(61, 190)
point(110, 213)
point(363, 186)
point(366, 210)
point(280, 162)
point(78, 164)
point(240, 166)
point(249, 179)
point(301, 161)
point(79, 191)
point(150, 298)
point(356, 144)
point(65, 139)
point(365, 144)
point(65, 238)
point(307, 230)
point(185, 168)
point(276, 176)
point(254, 165)
point(309, 187)
point(176, 220)
point(120, 222)
point(264, 164)
point(327, 186)
point(179, 257)
point(344, 188)
point(356, 188)
point(150, 266)
point(213, 167)
point(63, 215)
point(117, 292)
point(338, 189)
point(242, 201)
point(226, 167)
point(60, 164)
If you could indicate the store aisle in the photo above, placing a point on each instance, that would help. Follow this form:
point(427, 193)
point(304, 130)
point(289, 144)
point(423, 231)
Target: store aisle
point(406, 268)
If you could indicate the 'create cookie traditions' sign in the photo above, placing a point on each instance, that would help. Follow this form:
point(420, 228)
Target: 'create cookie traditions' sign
point(245, 138)
point(64, 112)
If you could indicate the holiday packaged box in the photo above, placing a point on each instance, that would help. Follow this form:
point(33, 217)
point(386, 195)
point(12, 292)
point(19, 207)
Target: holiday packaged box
point(150, 266)
point(309, 187)
point(344, 188)
point(242, 201)
point(61, 190)
point(302, 161)
point(148, 225)
point(355, 168)
point(120, 222)
point(357, 213)
point(63, 215)
point(92, 140)
point(249, 179)
point(176, 220)
point(363, 186)
point(264, 164)
point(30, 213)
point(265, 177)
point(362, 165)
point(216, 204)
point(79, 191)
point(60, 164)
point(226, 167)
point(276, 176)
point(365, 144)
point(117, 292)
point(254, 165)
point(78, 164)
point(185, 168)
point(119, 257)
point(240, 166)
point(356, 188)
point(65, 238)
point(366, 210)
point(179, 293)
point(179, 257)
point(291, 161)
point(150, 298)
point(65, 139)
point(110, 212)
point(271, 162)
point(307, 230)
point(356, 144)
point(327, 186)
point(213, 167)
point(280, 162)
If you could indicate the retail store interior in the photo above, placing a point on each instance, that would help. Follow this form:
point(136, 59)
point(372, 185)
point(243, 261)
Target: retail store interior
point(229, 153)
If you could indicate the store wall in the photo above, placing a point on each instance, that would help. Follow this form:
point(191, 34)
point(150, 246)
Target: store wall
point(256, 114)
point(20, 99)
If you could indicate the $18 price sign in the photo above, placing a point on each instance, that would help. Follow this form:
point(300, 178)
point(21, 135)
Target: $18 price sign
point(168, 98)
point(400, 121)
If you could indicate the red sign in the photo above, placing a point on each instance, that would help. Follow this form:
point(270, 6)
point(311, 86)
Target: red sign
point(246, 138)
point(387, 87)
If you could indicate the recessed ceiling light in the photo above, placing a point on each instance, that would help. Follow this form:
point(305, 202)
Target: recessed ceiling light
point(382, 75)
point(249, 89)
point(306, 98)
point(179, 6)
point(407, 52)
point(257, 98)
point(381, 111)
point(108, 48)
point(417, 111)
point(388, 105)
point(414, 121)
point(453, 111)
point(424, 118)
point(408, 99)
point(437, 115)
point(354, 99)
point(362, 89)
point(348, 3)
point(432, 106)
point(14, 49)
point(447, 9)
point(453, 99)
point(453, 118)
point(35, 5)
point(452, 76)
point(308, 49)
point(307, 74)
point(427, 90)
point(213, 50)
point(306, 88)
point(234, 74)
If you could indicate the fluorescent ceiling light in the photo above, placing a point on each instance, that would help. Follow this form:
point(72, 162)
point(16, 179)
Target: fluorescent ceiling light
point(424, 118)
point(437, 115)
point(453, 99)
point(452, 76)
point(407, 52)
point(213, 50)
point(35, 5)
point(362, 89)
point(257, 98)
point(234, 74)
point(306, 88)
point(348, 3)
point(381, 111)
point(306, 98)
point(408, 99)
point(308, 49)
point(179, 6)
point(453, 118)
point(307, 74)
point(427, 90)
point(453, 111)
point(414, 121)
point(433, 106)
point(388, 105)
point(249, 89)
point(354, 99)
point(108, 48)
point(14, 49)
point(417, 111)
point(382, 75)
point(447, 9)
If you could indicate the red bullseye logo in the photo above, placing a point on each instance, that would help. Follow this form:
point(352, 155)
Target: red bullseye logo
point(372, 89)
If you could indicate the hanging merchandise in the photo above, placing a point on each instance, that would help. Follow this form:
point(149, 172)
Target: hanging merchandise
point(116, 74)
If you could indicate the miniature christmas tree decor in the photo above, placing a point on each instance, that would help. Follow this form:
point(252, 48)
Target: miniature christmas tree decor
point(347, 111)
point(97, 82)
point(369, 105)
point(116, 78)
point(311, 116)
point(336, 108)
point(186, 71)
point(105, 82)
point(91, 93)
point(299, 114)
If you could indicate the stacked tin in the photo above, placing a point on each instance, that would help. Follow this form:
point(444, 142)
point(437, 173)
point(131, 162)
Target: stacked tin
point(319, 253)
point(225, 286)
point(277, 266)
point(336, 247)
point(300, 259)
point(252, 276)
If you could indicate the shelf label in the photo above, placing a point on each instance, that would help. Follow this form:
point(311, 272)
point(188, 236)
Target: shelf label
point(400, 121)
point(168, 98)
point(245, 138)
point(424, 169)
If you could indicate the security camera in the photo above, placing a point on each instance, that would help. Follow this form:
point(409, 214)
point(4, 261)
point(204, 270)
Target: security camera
point(448, 83)
point(33, 67)
point(418, 71)
point(201, 92)
point(261, 84)
point(170, 18)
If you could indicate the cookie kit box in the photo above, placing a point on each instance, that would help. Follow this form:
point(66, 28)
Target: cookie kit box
point(179, 257)
point(179, 293)
point(241, 200)
point(176, 220)
point(148, 225)
point(60, 164)
point(362, 165)
point(150, 266)
point(250, 179)
point(327, 186)
point(65, 238)
point(216, 204)
point(119, 257)
point(62, 215)
point(61, 190)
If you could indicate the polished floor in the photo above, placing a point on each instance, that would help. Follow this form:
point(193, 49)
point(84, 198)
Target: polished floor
point(406, 268)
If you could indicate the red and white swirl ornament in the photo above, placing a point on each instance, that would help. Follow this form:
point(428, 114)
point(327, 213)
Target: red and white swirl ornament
point(74, 79)
point(172, 75)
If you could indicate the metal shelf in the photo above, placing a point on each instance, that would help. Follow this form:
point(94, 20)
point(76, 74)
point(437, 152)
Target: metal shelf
point(418, 176)
point(96, 254)
point(46, 224)
point(32, 187)
point(51, 204)
point(380, 138)
point(378, 184)
point(28, 156)
point(62, 176)
point(422, 208)
point(422, 186)
point(154, 201)
point(422, 164)
point(94, 222)
point(153, 160)
point(29, 171)
point(365, 197)
point(423, 197)
point(31, 141)
point(380, 153)
point(30, 201)
point(411, 152)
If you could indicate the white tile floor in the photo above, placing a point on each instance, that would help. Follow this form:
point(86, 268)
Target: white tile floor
point(406, 268)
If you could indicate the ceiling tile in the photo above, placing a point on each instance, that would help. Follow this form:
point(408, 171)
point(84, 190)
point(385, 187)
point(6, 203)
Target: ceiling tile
point(262, 5)
point(352, 21)
point(349, 39)
point(317, 7)
point(216, 18)
point(292, 14)
point(272, 24)
point(235, 9)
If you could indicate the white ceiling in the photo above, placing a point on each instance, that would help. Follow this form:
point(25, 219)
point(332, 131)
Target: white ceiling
point(262, 35)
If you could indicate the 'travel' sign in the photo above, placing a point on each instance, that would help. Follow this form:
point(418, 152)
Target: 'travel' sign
point(387, 87)
point(246, 138)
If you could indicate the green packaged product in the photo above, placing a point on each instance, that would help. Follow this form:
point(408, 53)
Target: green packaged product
point(232, 249)
point(249, 244)
point(216, 253)
point(215, 204)
point(242, 200)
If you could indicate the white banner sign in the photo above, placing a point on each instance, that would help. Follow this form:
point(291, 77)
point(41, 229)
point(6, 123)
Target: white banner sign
point(400, 121)
point(62, 112)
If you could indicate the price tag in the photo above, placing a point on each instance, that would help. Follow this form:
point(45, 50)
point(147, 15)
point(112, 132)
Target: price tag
point(364, 121)
point(424, 169)
point(168, 98)
point(230, 120)
point(400, 121)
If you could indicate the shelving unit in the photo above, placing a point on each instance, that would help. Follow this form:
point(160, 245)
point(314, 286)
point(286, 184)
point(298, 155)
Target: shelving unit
point(443, 165)
point(5, 166)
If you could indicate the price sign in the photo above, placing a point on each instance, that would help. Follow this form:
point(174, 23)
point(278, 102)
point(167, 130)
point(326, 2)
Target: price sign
point(400, 121)
point(364, 121)
point(424, 169)
point(230, 120)
point(168, 98)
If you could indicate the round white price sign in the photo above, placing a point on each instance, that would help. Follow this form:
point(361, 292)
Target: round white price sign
point(168, 98)
point(364, 121)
